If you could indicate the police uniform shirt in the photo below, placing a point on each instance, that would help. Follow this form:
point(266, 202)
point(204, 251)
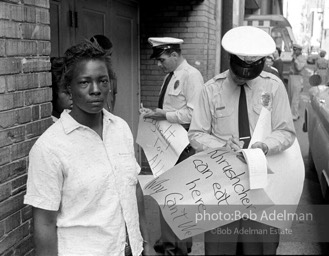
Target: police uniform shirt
point(298, 65)
point(215, 119)
point(182, 93)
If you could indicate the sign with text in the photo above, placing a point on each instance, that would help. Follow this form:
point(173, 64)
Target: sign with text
point(212, 188)
point(162, 142)
point(194, 191)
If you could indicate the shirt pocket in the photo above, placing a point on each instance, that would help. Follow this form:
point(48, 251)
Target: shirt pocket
point(222, 117)
point(127, 167)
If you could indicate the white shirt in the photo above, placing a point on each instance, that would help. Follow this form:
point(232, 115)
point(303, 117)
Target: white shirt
point(182, 93)
point(90, 182)
point(215, 119)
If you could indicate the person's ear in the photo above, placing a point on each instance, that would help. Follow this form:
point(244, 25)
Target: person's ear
point(175, 54)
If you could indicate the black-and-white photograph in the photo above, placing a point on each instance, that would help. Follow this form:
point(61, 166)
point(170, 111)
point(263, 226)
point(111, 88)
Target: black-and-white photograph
point(146, 128)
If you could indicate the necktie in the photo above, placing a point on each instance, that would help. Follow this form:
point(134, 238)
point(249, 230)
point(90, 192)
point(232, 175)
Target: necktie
point(163, 91)
point(244, 132)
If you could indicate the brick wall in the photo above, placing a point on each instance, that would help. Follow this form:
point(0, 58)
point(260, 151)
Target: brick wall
point(192, 21)
point(25, 111)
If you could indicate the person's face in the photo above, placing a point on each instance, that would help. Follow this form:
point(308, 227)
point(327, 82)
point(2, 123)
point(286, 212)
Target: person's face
point(167, 62)
point(276, 54)
point(297, 51)
point(238, 80)
point(89, 87)
point(269, 61)
point(63, 101)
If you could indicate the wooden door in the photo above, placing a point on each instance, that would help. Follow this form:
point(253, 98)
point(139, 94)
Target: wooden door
point(124, 17)
point(75, 20)
point(91, 17)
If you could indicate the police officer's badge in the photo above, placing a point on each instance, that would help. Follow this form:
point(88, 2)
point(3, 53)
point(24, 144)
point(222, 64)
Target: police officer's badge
point(176, 84)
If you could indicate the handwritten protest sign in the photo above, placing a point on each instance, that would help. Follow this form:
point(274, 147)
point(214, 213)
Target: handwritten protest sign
point(162, 142)
point(195, 192)
point(212, 188)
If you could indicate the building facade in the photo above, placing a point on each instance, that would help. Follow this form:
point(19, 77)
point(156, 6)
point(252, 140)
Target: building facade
point(32, 31)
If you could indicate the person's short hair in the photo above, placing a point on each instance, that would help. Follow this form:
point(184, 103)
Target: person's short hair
point(103, 41)
point(322, 53)
point(85, 50)
point(57, 64)
point(279, 51)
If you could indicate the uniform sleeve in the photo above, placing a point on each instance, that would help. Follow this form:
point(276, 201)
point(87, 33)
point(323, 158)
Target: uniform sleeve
point(283, 130)
point(45, 179)
point(192, 89)
point(200, 129)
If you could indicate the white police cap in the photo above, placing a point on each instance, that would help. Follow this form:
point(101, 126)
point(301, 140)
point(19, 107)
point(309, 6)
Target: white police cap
point(160, 44)
point(248, 43)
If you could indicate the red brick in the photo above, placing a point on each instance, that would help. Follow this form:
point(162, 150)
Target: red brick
point(4, 156)
point(12, 170)
point(35, 129)
point(5, 191)
point(10, 29)
point(12, 222)
point(13, 237)
point(26, 213)
point(9, 65)
point(7, 119)
point(20, 150)
point(24, 115)
point(37, 96)
point(11, 205)
point(10, 136)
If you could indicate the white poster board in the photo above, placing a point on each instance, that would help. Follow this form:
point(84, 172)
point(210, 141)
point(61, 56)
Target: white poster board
point(162, 142)
point(212, 188)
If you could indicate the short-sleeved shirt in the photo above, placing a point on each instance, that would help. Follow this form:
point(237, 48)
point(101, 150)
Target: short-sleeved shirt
point(215, 119)
point(91, 182)
point(298, 65)
point(182, 93)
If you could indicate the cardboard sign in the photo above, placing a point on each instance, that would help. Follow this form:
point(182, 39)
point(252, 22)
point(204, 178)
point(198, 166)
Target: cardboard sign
point(195, 192)
point(212, 188)
point(162, 142)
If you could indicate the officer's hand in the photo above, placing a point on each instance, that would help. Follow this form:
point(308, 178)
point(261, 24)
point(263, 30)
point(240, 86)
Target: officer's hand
point(260, 145)
point(234, 144)
point(145, 110)
point(157, 114)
